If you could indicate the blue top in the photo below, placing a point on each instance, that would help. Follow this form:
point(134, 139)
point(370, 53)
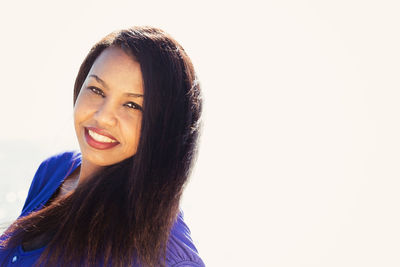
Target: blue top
point(181, 251)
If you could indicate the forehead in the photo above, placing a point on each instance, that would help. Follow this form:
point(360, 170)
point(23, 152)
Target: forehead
point(119, 69)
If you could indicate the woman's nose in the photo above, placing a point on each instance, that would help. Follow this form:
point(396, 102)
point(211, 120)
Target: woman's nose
point(105, 114)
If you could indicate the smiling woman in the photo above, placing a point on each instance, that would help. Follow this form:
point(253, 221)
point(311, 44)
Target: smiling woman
point(137, 110)
point(108, 110)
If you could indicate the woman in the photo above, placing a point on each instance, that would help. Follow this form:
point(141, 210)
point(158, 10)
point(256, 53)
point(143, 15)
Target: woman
point(137, 110)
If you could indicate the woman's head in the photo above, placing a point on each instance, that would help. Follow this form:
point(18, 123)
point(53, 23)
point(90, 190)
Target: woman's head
point(108, 109)
point(163, 110)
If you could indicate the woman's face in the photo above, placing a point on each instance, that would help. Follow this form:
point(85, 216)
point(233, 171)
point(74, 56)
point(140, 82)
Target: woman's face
point(107, 112)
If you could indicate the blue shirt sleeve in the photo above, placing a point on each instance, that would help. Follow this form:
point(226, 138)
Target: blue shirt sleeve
point(36, 185)
point(181, 251)
point(48, 178)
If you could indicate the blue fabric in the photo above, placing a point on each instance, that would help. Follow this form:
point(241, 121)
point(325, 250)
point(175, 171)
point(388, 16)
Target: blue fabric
point(50, 175)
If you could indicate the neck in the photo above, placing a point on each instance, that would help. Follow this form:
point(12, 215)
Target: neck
point(87, 169)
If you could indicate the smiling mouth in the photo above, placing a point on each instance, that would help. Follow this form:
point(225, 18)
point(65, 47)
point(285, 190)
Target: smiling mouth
point(99, 141)
point(100, 138)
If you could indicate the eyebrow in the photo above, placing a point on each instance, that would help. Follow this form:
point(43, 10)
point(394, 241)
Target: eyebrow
point(106, 86)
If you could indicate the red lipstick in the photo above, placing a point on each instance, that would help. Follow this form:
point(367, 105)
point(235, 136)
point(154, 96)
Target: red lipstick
point(97, 144)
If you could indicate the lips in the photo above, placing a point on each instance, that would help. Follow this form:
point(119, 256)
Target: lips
point(99, 139)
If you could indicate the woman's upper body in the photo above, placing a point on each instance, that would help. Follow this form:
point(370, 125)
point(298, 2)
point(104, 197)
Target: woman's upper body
point(137, 109)
point(49, 182)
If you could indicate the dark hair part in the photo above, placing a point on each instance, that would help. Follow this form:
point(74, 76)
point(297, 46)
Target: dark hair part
point(124, 214)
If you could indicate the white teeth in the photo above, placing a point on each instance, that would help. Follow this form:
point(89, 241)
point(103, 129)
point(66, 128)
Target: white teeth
point(100, 138)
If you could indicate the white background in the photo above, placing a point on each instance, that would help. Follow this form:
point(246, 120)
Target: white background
point(299, 157)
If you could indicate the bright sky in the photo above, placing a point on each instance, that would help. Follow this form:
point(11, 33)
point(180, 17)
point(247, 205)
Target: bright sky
point(300, 150)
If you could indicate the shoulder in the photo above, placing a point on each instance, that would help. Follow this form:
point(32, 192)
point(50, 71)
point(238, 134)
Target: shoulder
point(53, 164)
point(64, 157)
point(56, 160)
point(50, 168)
point(181, 251)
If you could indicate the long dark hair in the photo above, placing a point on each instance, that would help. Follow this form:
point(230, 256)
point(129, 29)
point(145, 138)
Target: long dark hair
point(124, 214)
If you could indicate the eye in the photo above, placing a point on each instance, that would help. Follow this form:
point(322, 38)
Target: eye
point(96, 90)
point(133, 106)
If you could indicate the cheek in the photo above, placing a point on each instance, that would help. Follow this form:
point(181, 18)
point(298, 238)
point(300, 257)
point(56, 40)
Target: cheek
point(132, 132)
point(83, 108)
point(78, 112)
